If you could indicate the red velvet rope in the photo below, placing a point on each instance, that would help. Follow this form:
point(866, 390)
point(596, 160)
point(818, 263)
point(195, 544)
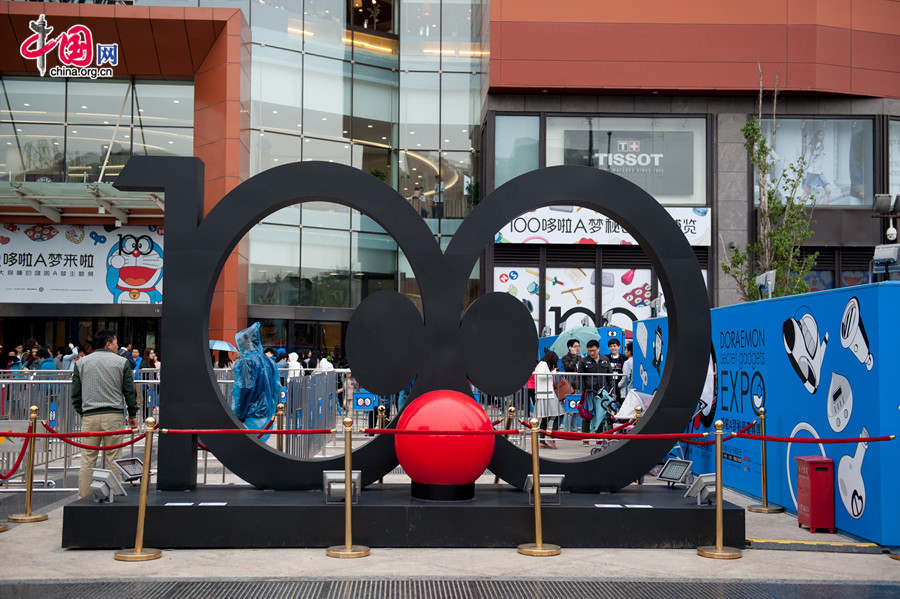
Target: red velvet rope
point(812, 440)
point(497, 421)
point(524, 423)
point(266, 428)
point(18, 459)
point(202, 446)
point(392, 431)
point(94, 447)
point(127, 431)
point(727, 437)
point(576, 436)
point(245, 431)
point(620, 427)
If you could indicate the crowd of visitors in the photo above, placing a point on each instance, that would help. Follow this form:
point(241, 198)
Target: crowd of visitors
point(606, 381)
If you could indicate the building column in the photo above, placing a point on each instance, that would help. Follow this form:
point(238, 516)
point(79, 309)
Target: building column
point(222, 141)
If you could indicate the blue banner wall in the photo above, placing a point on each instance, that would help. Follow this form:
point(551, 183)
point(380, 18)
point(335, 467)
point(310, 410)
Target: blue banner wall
point(823, 365)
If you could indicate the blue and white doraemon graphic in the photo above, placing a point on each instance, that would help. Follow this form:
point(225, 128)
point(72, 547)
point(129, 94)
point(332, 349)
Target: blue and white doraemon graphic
point(134, 269)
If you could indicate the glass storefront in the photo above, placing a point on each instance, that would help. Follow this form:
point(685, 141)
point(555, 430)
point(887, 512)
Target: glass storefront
point(66, 131)
point(838, 153)
point(664, 156)
point(392, 88)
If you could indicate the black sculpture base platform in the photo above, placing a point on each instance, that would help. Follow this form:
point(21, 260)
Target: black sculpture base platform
point(386, 516)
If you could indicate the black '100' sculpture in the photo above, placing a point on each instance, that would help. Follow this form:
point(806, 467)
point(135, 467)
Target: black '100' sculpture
point(441, 348)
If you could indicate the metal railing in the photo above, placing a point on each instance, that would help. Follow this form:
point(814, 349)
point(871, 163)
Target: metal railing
point(312, 400)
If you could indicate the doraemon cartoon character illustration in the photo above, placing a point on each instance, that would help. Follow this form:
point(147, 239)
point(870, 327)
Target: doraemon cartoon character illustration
point(134, 270)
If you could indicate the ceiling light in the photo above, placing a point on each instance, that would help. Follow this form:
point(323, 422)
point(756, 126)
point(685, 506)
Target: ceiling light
point(413, 168)
point(382, 137)
point(274, 112)
point(171, 142)
point(370, 126)
point(105, 122)
point(74, 131)
point(465, 130)
point(418, 145)
point(26, 104)
point(176, 101)
point(140, 110)
point(324, 118)
point(412, 132)
point(84, 107)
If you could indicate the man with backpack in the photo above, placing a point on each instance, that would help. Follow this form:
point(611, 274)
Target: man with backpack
point(595, 365)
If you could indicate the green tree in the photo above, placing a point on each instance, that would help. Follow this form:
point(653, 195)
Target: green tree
point(783, 217)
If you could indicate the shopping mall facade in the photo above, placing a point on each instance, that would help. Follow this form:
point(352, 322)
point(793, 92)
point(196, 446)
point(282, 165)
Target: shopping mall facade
point(444, 101)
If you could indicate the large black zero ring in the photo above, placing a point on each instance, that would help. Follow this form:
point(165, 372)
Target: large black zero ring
point(687, 303)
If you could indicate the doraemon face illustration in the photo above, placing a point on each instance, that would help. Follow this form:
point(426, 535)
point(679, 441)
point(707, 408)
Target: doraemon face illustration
point(134, 269)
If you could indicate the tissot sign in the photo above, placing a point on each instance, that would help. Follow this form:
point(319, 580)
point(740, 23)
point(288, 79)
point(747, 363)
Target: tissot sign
point(660, 162)
point(75, 48)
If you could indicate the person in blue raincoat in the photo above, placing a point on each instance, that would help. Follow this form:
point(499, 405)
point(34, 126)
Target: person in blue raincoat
point(256, 388)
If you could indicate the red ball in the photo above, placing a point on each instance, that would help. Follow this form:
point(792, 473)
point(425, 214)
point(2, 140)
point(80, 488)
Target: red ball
point(444, 459)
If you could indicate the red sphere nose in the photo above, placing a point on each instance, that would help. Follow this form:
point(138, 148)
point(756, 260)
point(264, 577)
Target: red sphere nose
point(136, 253)
point(444, 459)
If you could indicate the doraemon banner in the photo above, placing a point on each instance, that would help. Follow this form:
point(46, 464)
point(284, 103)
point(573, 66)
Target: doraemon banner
point(81, 264)
point(824, 366)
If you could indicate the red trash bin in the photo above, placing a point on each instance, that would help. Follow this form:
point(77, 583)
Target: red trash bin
point(815, 493)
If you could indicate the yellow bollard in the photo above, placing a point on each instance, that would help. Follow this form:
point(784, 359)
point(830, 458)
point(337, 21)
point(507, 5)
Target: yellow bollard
point(538, 548)
point(279, 423)
point(139, 553)
point(381, 425)
point(29, 477)
point(348, 549)
point(765, 507)
point(510, 418)
point(719, 551)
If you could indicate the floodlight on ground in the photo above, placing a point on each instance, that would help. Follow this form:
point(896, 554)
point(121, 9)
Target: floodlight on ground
point(333, 485)
point(105, 486)
point(703, 488)
point(675, 471)
point(130, 468)
point(551, 488)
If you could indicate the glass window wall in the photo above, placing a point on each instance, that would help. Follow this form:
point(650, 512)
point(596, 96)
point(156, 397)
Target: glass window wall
point(325, 268)
point(276, 84)
point(31, 152)
point(461, 36)
point(86, 150)
point(277, 23)
point(375, 105)
point(420, 114)
point(32, 100)
point(99, 102)
point(460, 111)
point(838, 155)
point(324, 28)
point(421, 34)
point(169, 104)
point(326, 111)
point(516, 147)
point(274, 264)
point(374, 265)
point(664, 156)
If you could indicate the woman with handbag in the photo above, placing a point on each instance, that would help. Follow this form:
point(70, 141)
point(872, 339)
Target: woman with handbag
point(546, 404)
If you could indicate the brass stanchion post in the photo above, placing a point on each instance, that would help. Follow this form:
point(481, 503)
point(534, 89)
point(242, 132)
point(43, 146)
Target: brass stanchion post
point(638, 412)
point(29, 477)
point(381, 425)
point(538, 548)
point(348, 549)
point(279, 423)
point(139, 553)
point(719, 551)
point(510, 418)
point(765, 507)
